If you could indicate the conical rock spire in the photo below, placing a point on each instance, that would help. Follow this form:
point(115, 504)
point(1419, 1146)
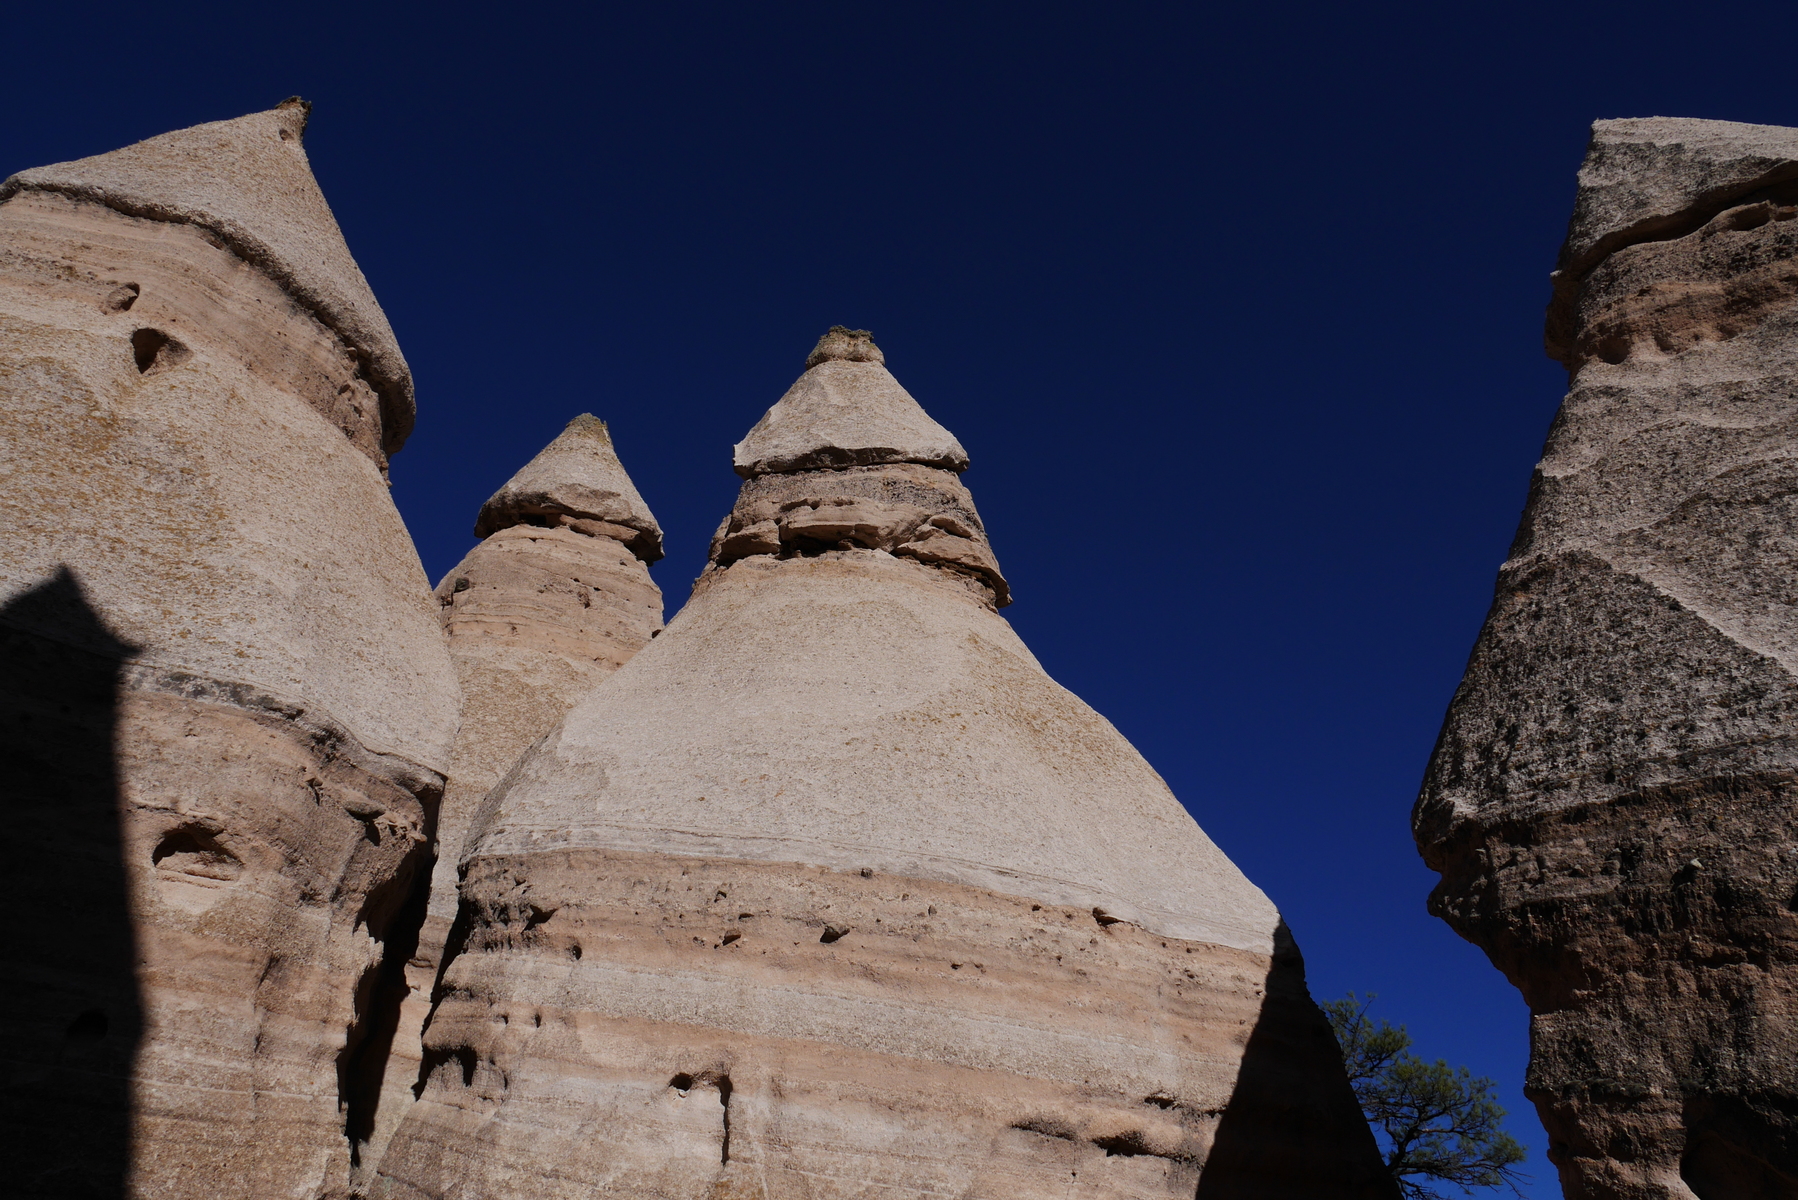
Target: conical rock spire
point(832, 890)
point(846, 410)
point(248, 181)
point(576, 479)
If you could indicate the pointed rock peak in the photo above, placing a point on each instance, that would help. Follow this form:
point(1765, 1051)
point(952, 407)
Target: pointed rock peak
point(576, 481)
point(847, 410)
point(841, 344)
point(249, 183)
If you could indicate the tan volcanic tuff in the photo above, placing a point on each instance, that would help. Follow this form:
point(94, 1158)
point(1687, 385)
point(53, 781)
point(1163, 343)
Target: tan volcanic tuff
point(555, 599)
point(832, 891)
point(229, 703)
point(1612, 801)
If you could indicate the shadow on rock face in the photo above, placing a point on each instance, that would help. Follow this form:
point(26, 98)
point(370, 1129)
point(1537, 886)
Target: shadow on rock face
point(1292, 1130)
point(70, 1010)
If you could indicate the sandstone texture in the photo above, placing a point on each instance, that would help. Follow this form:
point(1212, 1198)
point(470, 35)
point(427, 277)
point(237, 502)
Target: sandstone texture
point(831, 891)
point(227, 701)
point(555, 599)
point(1612, 801)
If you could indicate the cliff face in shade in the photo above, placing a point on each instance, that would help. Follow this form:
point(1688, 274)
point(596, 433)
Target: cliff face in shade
point(228, 706)
point(1613, 798)
point(555, 599)
point(831, 890)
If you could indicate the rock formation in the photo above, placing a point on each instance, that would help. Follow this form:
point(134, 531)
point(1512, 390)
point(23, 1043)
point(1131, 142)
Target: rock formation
point(227, 702)
point(832, 891)
point(555, 599)
point(1613, 798)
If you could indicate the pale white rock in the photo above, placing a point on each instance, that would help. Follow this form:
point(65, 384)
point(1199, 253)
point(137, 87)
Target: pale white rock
point(536, 616)
point(576, 476)
point(858, 710)
point(846, 411)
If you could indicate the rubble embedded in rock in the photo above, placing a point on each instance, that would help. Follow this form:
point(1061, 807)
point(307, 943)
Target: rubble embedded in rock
point(1612, 798)
point(229, 703)
point(832, 889)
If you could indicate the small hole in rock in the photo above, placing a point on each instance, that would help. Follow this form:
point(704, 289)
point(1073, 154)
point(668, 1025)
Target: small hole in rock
point(682, 1082)
point(728, 938)
point(1126, 1144)
point(121, 298)
point(832, 933)
point(152, 349)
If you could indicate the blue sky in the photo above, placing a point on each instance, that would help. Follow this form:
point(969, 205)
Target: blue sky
point(1236, 309)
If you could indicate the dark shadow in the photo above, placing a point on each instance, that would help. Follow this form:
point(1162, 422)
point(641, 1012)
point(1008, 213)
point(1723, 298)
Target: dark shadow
point(396, 913)
point(1741, 1147)
point(1292, 1129)
point(70, 1011)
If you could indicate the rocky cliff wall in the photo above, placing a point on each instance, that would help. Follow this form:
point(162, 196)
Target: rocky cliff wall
point(1613, 798)
point(228, 706)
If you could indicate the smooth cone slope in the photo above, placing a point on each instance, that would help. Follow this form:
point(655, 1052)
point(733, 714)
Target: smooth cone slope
point(859, 712)
point(248, 180)
point(831, 891)
point(577, 476)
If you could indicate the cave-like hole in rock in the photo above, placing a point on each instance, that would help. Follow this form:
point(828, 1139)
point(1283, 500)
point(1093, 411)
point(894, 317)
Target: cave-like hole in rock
point(195, 850)
point(153, 349)
point(1126, 1144)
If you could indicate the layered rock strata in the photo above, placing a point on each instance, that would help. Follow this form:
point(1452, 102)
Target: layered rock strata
point(556, 598)
point(1613, 798)
point(831, 891)
point(228, 706)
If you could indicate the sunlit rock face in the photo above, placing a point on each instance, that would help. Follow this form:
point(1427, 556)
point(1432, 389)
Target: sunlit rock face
point(1613, 798)
point(556, 598)
point(228, 705)
point(831, 891)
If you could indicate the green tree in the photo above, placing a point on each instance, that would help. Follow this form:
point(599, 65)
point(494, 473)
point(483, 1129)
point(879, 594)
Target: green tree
point(1434, 1122)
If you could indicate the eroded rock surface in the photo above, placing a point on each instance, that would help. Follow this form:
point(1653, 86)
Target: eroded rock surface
point(555, 599)
point(1612, 800)
point(228, 707)
point(831, 890)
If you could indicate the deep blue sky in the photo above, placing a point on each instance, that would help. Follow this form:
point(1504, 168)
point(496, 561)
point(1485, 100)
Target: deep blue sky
point(1237, 310)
